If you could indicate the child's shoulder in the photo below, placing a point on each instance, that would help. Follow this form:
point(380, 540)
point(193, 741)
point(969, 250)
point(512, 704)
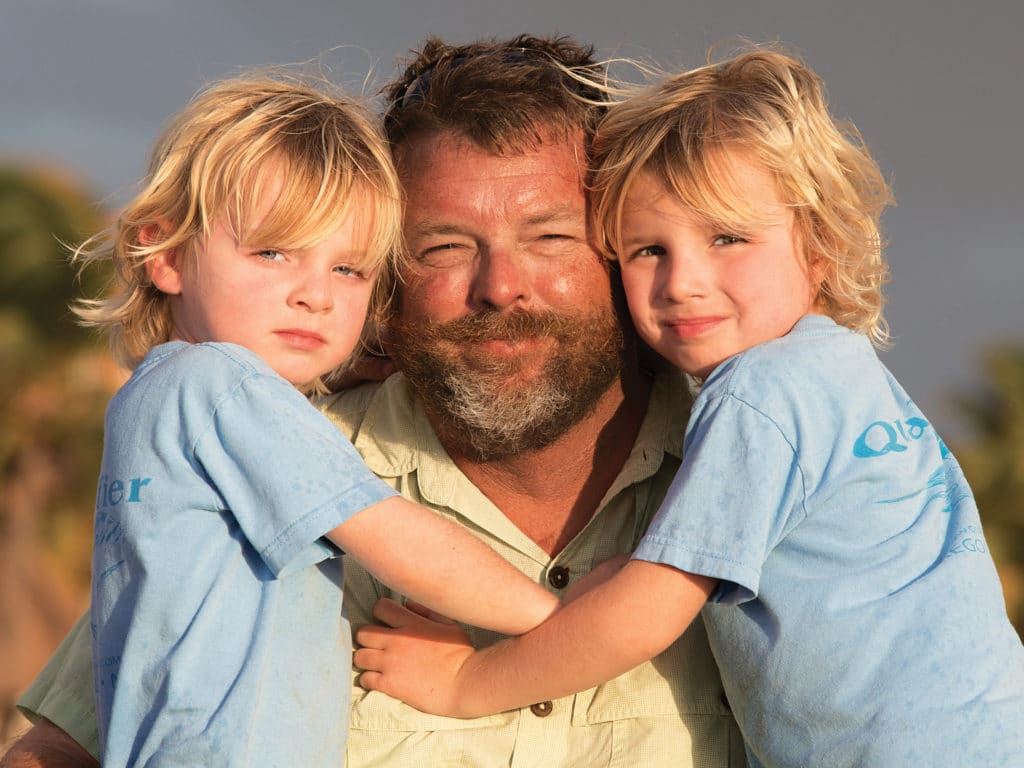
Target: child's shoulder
point(817, 357)
point(208, 358)
point(212, 367)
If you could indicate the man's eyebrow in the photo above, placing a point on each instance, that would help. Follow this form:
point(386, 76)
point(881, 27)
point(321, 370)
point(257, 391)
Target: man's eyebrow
point(427, 228)
point(560, 214)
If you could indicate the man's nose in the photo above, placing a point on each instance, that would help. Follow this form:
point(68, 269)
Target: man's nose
point(502, 279)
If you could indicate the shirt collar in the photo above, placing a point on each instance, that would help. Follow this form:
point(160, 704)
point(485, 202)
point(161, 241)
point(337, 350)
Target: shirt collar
point(396, 438)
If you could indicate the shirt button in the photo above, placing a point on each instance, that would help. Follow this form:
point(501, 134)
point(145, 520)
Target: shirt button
point(542, 708)
point(558, 577)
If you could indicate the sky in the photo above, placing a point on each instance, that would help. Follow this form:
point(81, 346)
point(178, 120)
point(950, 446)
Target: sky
point(934, 87)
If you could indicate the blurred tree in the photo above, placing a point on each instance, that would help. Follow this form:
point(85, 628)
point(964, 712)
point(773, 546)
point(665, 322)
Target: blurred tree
point(55, 380)
point(993, 460)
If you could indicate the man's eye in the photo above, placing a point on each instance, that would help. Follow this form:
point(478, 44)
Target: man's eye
point(443, 254)
point(441, 247)
point(270, 254)
point(727, 240)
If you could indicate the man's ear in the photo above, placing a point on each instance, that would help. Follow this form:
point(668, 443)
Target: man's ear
point(163, 267)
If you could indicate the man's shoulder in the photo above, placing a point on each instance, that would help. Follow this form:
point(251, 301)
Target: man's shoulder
point(368, 403)
point(669, 408)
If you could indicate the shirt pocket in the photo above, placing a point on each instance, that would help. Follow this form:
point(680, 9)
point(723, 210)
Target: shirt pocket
point(683, 681)
point(373, 711)
point(385, 733)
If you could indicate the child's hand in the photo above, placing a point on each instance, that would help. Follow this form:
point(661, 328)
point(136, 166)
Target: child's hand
point(413, 658)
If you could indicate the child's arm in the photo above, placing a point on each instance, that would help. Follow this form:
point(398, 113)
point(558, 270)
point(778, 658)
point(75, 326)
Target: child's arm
point(609, 630)
point(435, 562)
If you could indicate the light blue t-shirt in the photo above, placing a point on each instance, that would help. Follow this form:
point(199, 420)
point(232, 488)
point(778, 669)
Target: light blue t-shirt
point(859, 620)
point(218, 634)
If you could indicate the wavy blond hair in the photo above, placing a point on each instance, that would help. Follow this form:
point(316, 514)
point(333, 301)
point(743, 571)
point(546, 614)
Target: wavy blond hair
point(772, 109)
point(215, 159)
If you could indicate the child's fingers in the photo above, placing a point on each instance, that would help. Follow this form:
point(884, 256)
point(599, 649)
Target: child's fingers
point(368, 659)
point(372, 636)
point(370, 681)
point(428, 613)
point(387, 611)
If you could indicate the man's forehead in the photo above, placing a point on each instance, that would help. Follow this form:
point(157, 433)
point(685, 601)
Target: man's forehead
point(555, 143)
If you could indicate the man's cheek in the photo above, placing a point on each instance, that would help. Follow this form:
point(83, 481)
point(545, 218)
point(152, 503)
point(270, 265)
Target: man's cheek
point(433, 295)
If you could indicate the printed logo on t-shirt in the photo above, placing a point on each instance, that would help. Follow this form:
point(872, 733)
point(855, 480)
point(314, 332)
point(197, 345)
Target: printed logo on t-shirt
point(882, 437)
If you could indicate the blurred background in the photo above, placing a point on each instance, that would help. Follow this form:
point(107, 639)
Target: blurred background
point(934, 87)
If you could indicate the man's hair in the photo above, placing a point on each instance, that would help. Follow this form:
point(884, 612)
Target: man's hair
point(506, 96)
point(772, 109)
point(215, 159)
point(500, 94)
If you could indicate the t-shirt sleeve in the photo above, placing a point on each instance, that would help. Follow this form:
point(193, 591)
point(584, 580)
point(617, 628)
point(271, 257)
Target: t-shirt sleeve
point(285, 472)
point(737, 492)
point(63, 691)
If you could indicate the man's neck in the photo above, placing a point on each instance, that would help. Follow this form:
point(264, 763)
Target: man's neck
point(551, 493)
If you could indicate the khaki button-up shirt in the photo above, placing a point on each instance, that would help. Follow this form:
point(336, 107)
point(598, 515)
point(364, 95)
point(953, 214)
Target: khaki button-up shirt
point(668, 712)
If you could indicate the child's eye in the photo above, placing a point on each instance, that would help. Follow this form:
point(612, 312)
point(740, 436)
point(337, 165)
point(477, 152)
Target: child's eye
point(727, 240)
point(650, 250)
point(270, 254)
point(347, 271)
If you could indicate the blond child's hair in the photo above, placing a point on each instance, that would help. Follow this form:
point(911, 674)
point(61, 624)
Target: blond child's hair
point(215, 159)
point(772, 110)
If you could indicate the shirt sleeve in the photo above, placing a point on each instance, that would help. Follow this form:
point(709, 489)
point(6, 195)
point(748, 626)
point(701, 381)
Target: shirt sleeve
point(63, 691)
point(738, 491)
point(285, 472)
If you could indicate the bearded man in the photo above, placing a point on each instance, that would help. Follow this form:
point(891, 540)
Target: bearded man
point(521, 412)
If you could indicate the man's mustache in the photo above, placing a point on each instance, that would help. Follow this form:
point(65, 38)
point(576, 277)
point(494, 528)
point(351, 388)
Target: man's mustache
point(504, 326)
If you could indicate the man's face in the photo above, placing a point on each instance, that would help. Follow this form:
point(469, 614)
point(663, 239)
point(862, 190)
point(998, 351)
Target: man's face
point(505, 325)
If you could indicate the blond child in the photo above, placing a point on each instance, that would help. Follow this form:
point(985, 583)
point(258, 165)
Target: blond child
point(817, 519)
point(244, 270)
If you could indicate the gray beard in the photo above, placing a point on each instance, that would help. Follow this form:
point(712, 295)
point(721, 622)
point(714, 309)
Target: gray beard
point(472, 404)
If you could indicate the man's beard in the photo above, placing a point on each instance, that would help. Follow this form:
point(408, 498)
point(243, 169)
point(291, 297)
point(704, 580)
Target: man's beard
point(476, 405)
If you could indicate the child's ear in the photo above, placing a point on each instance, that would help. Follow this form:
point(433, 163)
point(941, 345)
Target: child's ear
point(817, 269)
point(163, 268)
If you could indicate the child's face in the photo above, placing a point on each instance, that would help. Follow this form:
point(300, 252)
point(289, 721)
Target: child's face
point(699, 295)
point(300, 310)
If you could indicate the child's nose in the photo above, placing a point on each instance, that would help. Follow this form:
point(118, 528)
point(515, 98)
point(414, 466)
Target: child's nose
point(684, 276)
point(312, 293)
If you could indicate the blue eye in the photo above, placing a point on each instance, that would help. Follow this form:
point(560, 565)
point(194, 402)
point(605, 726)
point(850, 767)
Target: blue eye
point(347, 271)
point(270, 254)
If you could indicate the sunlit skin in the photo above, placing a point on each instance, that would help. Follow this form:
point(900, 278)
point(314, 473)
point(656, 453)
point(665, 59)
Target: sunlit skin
point(492, 232)
point(301, 311)
point(507, 233)
point(699, 295)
